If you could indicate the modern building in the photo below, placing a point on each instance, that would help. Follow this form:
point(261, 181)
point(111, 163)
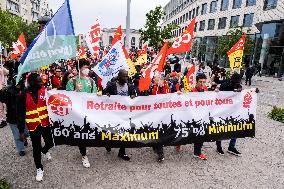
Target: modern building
point(264, 19)
point(29, 10)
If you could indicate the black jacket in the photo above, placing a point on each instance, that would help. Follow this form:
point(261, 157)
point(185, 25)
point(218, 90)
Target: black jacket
point(9, 96)
point(111, 89)
point(227, 86)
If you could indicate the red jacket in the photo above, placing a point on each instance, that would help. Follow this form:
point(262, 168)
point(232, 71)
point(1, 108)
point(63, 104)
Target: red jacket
point(195, 90)
point(165, 89)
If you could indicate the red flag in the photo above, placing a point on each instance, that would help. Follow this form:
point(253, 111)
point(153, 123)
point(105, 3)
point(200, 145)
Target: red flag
point(117, 35)
point(183, 42)
point(93, 39)
point(157, 65)
point(19, 47)
point(190, 75)
point(143, 50)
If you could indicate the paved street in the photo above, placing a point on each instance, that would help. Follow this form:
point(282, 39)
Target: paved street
point(262, 164)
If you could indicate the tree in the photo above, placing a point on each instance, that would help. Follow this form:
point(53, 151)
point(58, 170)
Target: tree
point(226, 42)
point(12, 26)
point(153, 32)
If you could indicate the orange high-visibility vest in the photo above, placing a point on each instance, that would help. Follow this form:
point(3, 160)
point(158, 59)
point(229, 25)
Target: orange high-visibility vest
point(36, 114)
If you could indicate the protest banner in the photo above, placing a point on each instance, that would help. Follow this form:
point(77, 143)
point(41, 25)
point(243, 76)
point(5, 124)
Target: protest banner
point(172, 119)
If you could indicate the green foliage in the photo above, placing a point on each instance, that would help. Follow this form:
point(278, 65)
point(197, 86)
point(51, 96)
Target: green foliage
point(226, 42)
point(12, 26)
point(277, 114)
point(153, 32)
point(4, 184)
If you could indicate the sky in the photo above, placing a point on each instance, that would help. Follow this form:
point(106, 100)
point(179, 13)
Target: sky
point(111, 13)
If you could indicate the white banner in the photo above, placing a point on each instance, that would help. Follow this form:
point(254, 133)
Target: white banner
point(169, 119)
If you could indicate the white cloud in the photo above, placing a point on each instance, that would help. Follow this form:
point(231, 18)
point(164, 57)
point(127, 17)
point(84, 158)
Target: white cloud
point(111, 13)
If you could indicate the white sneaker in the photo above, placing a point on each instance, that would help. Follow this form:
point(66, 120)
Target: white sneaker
point(85, 162)
point(39, 174)
point(47, 156)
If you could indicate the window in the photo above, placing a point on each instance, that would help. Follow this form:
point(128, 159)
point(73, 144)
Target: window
point(195, 27)
point(133, 42)
point(197, 11)
point(204, 9)
point(213, 6)
point(234, 21)
point(193, 13)
point(237, 4)
point(269, 4)
point(202, 25)
point(222, 23)
point(211, 24)
point(189, 15)
point(251, 2)
point(110, 40)
point(248, 20)
point(12, 6)
point(224, 5)
point(186, 16)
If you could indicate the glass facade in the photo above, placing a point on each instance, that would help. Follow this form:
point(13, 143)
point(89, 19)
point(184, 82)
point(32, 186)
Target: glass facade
point(269, 51)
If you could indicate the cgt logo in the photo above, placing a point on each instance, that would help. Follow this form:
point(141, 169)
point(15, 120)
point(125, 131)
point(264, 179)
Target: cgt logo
point(60, 104)
point(247, 100)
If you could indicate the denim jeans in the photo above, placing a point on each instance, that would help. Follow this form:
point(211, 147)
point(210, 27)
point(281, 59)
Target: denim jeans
point(19, 144)
point(232, 143)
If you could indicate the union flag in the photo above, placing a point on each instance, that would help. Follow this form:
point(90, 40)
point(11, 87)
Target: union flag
point(117, 35)
point(183, 42)
point(142, 56)
point(19, 46)
point(156, 66)
point(235, 54)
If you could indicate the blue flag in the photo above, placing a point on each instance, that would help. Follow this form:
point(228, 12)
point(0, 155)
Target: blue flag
point(56, 41)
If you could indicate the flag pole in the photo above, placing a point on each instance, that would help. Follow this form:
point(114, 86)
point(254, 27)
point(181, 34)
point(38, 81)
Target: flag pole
point(128, 25)
point(2, 68)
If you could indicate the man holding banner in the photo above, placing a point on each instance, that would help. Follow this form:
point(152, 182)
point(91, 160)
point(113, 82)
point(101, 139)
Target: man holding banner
point(83, 83)
point(123, 88)
point(233, 85)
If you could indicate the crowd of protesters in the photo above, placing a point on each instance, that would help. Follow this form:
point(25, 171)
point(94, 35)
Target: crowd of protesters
point(26, 97)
